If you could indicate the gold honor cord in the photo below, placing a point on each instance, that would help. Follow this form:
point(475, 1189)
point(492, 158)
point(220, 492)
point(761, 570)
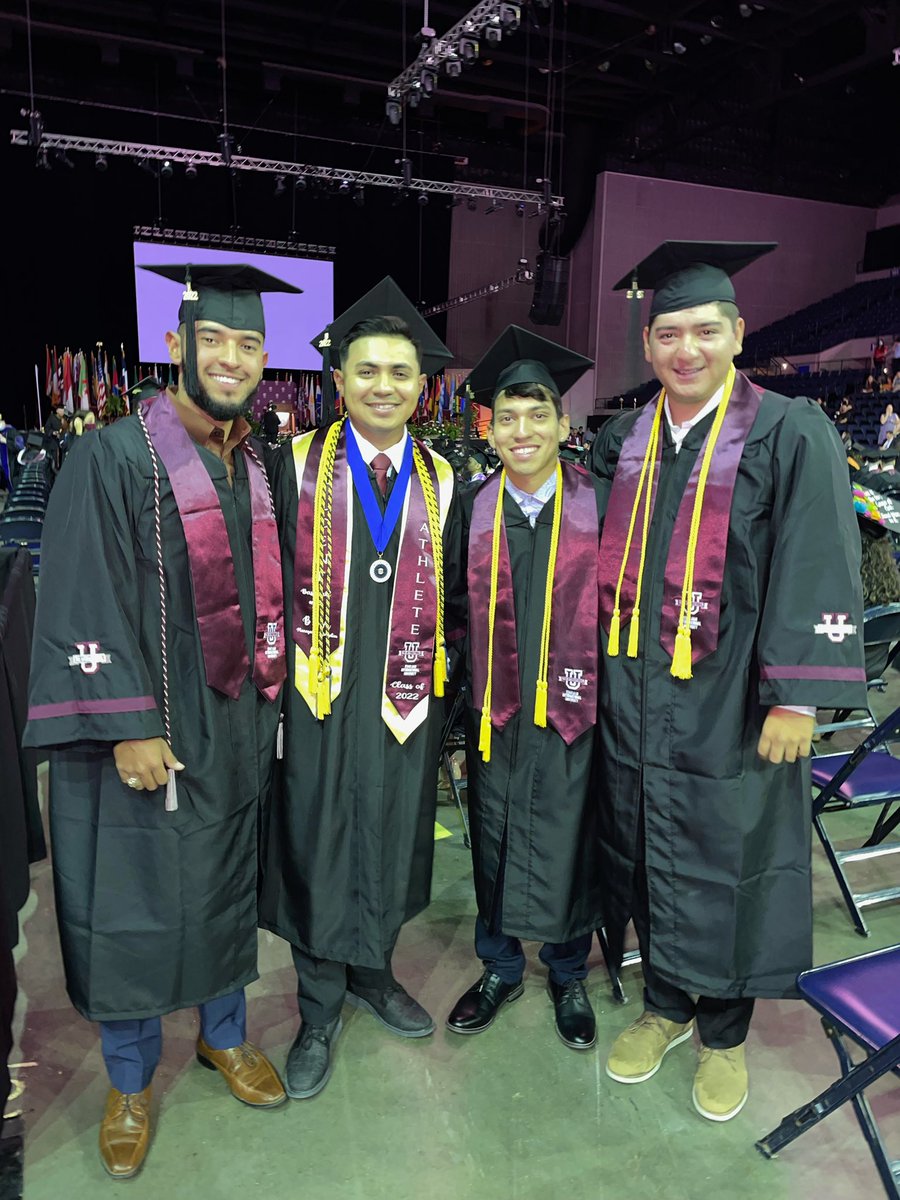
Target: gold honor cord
point(681, 658)
point(437, 554)
point(320, 652)
point(647, 468)
point(541, 686)
point(540, 695)
point(484, 732)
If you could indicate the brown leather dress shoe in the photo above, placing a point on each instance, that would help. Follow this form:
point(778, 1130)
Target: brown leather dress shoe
point(125, 1132)
point(249, 1074)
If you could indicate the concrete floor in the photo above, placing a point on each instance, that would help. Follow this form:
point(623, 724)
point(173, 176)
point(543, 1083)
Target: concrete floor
point(511, 1113)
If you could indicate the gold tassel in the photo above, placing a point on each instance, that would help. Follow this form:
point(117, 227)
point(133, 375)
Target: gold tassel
point(540, 704)
point(681, 658)
point(484, 737)
point(440, 670)
point(613, 648)
point(323, 705)
point(633, 631)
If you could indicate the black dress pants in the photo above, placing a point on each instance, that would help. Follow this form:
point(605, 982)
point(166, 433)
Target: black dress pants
point(7, 1004)
point(721, 1023)
point(322, 984)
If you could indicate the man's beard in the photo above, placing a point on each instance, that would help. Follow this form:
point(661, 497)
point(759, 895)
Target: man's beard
point(220, 410)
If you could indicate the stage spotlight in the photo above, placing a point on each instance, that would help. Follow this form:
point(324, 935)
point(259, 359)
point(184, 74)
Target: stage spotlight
point(279, 185)
point(520, 209)
point(393, 112)
point(300, 183)
point(717, 21)
point(166, 170)
point(706, 39)
point(422, 199)
point(100, 162)
point(453, 67)
point(359, 195)
point(679, 47)
point(472, 204)
point(190, 171)
point(344, 189)
point(428, 81)
point(468, 49)
point(63, 159)
point(603, 66)
point(745, 10)
point(493, 35)
point(42, 160)
point(413, 98)
point(510, 16)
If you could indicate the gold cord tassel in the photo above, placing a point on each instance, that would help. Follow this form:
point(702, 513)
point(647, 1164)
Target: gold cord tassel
point(681, 657)
point(633, 630)
point(484, 735)
point(323, 700)
point(440, 669)
point(540, 704)
point(614, 623)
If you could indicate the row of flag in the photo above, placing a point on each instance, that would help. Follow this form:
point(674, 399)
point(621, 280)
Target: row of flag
point(80, 381)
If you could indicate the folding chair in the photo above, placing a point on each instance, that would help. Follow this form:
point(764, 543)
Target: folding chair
point(857, 999)
point(453, 738)
point(859, 780)
point(629, 958)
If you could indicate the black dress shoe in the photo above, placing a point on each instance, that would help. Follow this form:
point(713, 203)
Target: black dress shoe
point(575, 1021)
point(395, 1009)
point(310, 1059)
point(477, 1008)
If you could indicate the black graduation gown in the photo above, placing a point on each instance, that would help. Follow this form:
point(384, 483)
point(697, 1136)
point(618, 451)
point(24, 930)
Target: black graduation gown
point(532, 812)
point(350, 842)
point(157, 910)
point(727, 834)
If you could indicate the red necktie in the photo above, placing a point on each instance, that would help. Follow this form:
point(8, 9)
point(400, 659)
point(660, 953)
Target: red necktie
point(381, 464)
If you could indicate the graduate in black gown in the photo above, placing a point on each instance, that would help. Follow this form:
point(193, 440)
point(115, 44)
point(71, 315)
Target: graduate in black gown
point(369, 536)
point(532, 534)
point(157, 670)
point(731, 609)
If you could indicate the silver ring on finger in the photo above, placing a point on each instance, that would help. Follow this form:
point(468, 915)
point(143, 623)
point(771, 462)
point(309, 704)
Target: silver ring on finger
point(133, 781)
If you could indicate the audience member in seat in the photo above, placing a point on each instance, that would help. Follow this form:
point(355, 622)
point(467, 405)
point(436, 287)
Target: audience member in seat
point(889, 422)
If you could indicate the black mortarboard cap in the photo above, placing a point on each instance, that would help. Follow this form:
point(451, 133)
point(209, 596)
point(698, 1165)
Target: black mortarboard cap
point(520, 357)
point(144, 389)
point(385, 299)
point(227, 293)
point(688, 274)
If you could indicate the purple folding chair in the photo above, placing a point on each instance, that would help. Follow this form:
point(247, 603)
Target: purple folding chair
point(858, 999)
point(860, 780)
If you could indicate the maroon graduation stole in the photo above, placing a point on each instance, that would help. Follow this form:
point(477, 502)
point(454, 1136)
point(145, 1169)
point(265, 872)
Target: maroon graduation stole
point(415, 654)
point(571, 696)
point(702, 553)
point(212, 567)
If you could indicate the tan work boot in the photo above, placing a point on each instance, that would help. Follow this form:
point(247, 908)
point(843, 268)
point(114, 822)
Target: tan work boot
point(721, 1084)
point(125, 1132)
point(638, 1051)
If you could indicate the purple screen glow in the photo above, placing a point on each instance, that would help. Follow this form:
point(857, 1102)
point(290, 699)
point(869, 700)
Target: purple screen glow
point(292, 321)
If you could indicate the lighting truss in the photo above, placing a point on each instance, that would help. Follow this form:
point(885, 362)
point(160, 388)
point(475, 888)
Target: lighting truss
point(229, 241)
point(522, 275)
point(144, 152)
point(456, 48)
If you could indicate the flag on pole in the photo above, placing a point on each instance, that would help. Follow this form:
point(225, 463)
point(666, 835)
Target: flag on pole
point(84, 382)
point(48, 374)
point(55, 381)
point(68, 384)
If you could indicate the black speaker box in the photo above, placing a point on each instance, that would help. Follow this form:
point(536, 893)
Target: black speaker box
point(551, 287)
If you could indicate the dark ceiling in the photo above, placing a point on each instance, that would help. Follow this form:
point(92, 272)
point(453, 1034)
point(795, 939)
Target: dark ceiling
point(787, 97)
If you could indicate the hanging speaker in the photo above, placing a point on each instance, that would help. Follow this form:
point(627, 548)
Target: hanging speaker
point(551, 286)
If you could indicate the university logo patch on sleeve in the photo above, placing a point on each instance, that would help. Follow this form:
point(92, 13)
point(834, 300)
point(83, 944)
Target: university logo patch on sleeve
point(835, 626)
point(89, 657)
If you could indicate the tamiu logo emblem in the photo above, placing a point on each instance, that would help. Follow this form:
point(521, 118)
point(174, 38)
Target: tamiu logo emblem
point(574, 680)
point(698, 605)
point(835, 627)
point(89, 657)
point(271, 636)
point(411, 655)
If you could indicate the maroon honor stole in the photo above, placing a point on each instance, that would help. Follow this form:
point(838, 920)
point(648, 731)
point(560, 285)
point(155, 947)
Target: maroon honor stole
point(212, 566)
point(695, 566)
point(566, 688)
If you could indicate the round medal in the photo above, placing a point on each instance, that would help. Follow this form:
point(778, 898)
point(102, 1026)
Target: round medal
point(380, 570)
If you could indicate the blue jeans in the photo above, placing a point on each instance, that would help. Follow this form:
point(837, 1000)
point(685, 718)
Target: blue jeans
point(504, 956)
point(132, 1049)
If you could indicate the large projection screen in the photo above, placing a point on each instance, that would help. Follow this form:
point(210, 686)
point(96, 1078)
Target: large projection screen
point(292, 321)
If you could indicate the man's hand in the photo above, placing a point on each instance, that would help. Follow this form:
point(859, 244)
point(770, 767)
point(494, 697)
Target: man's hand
point(147, 760)
point(786, 736)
